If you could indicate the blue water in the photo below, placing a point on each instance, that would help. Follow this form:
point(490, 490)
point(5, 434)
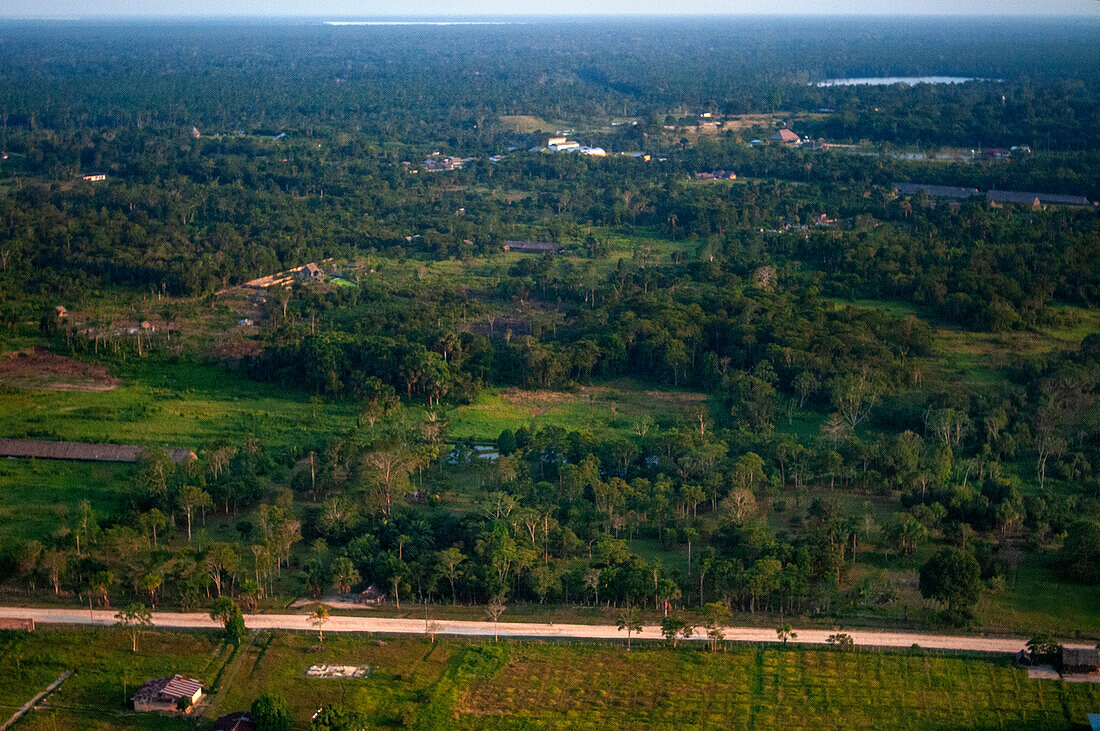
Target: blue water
point(890, 80)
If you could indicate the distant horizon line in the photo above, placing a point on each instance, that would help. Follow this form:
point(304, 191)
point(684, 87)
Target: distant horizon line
point(512, 18)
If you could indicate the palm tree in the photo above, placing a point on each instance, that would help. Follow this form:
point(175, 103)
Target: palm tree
point(318, 617)
point(150, 583)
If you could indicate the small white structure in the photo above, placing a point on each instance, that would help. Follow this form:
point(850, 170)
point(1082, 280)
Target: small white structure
point(561, 144)
point(338, 671)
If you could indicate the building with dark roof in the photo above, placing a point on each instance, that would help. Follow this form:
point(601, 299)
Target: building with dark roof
point(995, 197)
point(1076, 660)
point(83, 452)
point(532, 247)
point(936, 191)
point(312, 272)
point(1036, 199)
point(238, 721)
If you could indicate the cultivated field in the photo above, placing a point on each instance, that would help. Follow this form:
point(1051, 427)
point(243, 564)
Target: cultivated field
point(450, 683)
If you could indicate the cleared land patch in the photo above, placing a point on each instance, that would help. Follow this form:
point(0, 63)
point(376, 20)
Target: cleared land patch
point(39, 369)
point(615, 406)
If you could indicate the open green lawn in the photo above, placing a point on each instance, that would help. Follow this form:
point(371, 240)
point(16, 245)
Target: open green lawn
point(477, 685)
point(160, 403)
point(36, 496)
point(1036, 600)
point(611, 407)
point(106, 674)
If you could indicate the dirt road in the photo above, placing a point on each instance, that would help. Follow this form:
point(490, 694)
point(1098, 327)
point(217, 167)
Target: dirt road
point(389, 625)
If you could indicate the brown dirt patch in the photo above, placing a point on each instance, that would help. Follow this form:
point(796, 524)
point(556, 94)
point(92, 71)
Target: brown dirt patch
point(234, 350)
point(40, 370)
point(538, 401)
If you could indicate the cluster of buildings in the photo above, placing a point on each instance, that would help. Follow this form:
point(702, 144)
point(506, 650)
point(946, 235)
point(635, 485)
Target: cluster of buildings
point(716, 175)
point(438, 163)
point(564, 144)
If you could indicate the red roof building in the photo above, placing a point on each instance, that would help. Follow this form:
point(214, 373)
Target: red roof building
point(170, 694)
point(785, 137)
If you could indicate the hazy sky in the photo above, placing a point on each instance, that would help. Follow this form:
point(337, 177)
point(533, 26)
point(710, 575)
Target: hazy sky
point(337, 9)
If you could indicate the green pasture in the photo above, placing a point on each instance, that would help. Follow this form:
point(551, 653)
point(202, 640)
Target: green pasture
point(38, 495)
point(106, 674)
point(614, 407)
point(185, 405)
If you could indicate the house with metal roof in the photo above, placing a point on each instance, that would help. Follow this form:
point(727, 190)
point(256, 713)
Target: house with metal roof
point(170, 694)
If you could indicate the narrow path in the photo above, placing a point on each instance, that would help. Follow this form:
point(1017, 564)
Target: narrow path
point(36, 700)
point(391, 625)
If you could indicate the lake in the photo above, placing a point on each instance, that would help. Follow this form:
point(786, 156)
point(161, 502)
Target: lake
point(890, 80)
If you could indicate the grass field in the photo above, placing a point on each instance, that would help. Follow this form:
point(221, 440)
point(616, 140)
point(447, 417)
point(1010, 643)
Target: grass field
point(160, 403)
point(611, 407)
point(481, 685)
point(38, 495)
point(547, 686)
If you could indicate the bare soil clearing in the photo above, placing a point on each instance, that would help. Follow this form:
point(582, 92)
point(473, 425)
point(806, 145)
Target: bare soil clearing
point(40, 370)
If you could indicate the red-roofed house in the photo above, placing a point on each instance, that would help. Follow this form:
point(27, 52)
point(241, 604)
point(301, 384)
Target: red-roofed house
point(170, 694)
point(784, 137)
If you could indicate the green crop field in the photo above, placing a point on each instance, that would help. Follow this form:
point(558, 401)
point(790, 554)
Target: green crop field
point(477, 685)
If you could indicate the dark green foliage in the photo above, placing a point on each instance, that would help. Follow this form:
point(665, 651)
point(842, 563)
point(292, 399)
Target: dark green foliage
point(270, 712)
point(1079, 557)
point(506, 442)
point(951, 576)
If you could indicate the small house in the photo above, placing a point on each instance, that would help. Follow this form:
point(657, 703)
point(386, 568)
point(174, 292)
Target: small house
point(195, 133)
point(784, 137)
point(62, 313)
point(371, 596)
point(170, 694)
point(1080, 660)
point(313, 273)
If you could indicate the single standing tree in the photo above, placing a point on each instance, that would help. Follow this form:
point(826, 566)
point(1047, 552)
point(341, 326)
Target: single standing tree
point(786, 632)
point(629, 619)
point(135, 618)
point(344, 575)
point(714, 615)
point(952, 576)
point(675, 629)
point(151, 582)
point(192, 497)
point(226, 610)
point(270, 713)
point(318, 618)
point(493, 610)
point(449, 560)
